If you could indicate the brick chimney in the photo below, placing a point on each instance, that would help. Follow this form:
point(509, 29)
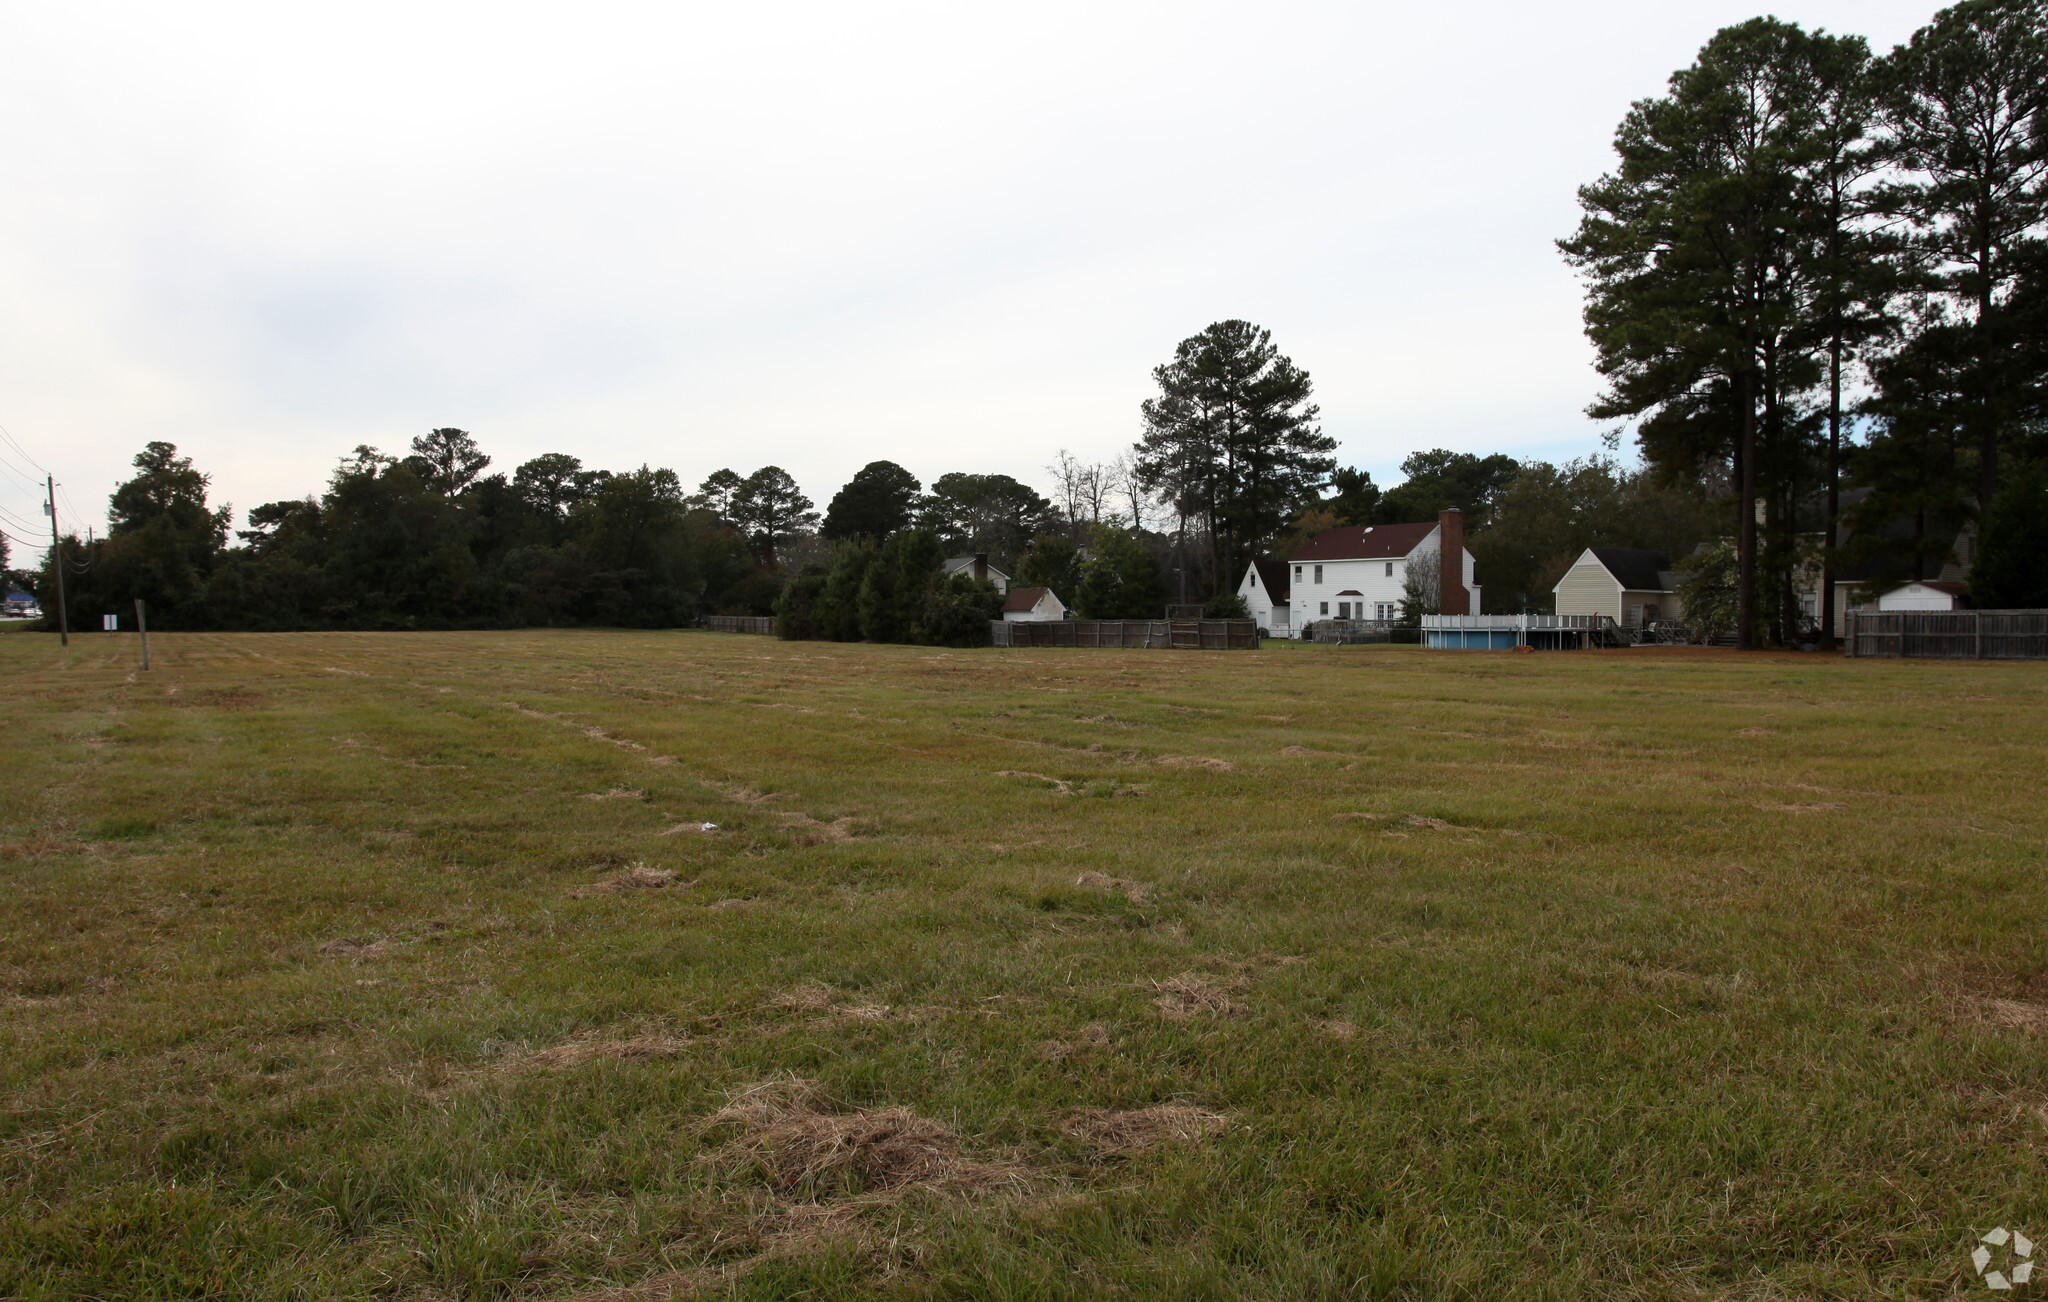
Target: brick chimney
point(1450, 538)
point(981, 567)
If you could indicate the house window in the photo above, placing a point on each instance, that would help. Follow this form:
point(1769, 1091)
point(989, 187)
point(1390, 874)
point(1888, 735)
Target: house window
point(1390, 569)
point(1297, 574)
point(1254, 576)
point(1343, 610)
point(1384, 610)
point(1319, 574)
point(1325, 609)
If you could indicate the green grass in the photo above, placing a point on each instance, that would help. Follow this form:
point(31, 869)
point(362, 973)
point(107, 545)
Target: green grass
point(1632, 975)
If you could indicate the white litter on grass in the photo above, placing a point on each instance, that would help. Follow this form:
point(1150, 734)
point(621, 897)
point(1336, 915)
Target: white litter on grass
point(2022, 1244)
point(1980, 1259)
point(711, 827)
point(1996, 1283)
point(2023, 1272)
point(1996, 1238)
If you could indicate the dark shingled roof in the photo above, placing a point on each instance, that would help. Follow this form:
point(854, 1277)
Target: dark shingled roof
point(1365, 542)
point(1021, 600)
point(1273, 578)
point(1637, 571)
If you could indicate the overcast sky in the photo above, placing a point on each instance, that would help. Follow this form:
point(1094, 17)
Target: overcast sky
point(954, 236)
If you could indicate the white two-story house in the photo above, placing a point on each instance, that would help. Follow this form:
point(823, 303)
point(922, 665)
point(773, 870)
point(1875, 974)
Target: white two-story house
point(1359, 572)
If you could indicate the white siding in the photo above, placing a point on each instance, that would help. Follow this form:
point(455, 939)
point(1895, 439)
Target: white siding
point(1588, 589)
point(1379, 582)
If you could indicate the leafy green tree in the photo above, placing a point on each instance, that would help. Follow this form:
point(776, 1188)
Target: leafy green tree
point(958, 610)
point(717, 492)
point(1541, 520)
point(1968, 111)
point(447, 460)
point(162, 545)
point(1357, 499)
point(880, 499)
point(1053, 562)
point(1709, 591)
point(1851, 271)
point(894, 591)
point(797, 608)
point(1232, 440)
point(551, 487)
point(1440, 479)
point(838, 613)
point(2011, 570)
point(987, 513)
point(1121, 579)
point(770, 509)
point(1226, 605)
point(1915, 465)
point(1693, 252)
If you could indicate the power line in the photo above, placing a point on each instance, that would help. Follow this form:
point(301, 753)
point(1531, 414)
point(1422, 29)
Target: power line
point(16, 445)
point(19, 473)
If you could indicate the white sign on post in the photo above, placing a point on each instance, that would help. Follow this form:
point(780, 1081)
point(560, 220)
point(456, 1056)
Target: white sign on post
point(110, 623)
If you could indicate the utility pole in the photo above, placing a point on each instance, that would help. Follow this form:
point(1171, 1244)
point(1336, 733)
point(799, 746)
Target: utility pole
point(57, 556)
point(142, 623)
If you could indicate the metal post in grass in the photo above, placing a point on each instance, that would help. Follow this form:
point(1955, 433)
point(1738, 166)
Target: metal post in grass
point(142, 623)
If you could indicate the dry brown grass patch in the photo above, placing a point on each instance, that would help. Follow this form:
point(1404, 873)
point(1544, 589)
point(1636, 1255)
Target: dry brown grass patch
point(577, 1052)
point(2018, 1014)
point(825, 1002)
point(1296, 751)
point(740, 793)
point(1061, 785)
point(637, 878)
point(1815, 807)
point(29, 847)
point(1137, 1129)
point(618, 793)
point(1191, 994)
point(1196, 762)
point(1339, 1030)
point(798, 1144)
point(1135, 892)
point(1094, 1038)
point(813, 832)
point(355, 948)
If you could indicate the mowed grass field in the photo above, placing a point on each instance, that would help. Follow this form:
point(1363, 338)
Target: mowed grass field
point(403, 966)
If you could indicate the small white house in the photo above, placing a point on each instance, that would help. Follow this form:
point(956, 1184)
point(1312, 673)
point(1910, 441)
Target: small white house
point(1264, 589)
point(977, 567)
point(1030, 605)
point(1361, 571)
point(1926, 594)
point(1627, 585)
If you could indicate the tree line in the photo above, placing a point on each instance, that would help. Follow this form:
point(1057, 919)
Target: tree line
point(430, 540)
point(1816, 268)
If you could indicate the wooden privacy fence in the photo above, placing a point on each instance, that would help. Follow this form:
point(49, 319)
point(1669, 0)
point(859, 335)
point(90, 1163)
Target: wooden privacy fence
point(1950, 634)
point(740, 623)
point(1180, 634)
